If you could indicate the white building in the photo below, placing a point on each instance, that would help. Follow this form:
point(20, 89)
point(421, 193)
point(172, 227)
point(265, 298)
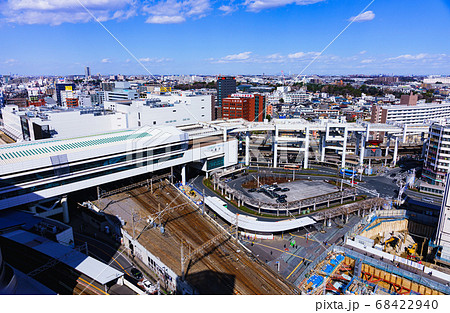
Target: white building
point(436, 164)
point(434, 80)
point(297, 97)
point(443, 231)
point(410, 114)
point(41, 122)
point(159, 110)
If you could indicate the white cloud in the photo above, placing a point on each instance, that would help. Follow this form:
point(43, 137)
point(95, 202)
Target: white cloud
point(173, 11)
point(419, 56)
point(10, 61)
point(227, 9)
point(154, 60)
point(301, 55)
point(367, 61)
point(258, 5)
point(239, 56)
point(165, 19)
point(56, 12)
point(363, 17)
point(106, 60)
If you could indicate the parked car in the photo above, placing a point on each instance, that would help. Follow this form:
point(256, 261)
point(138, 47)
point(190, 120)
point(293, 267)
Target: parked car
point(252, 190)
point(282, 197)
point(277, 189)
point(136, 273)
point(284, 189)
point(281, 200)
point(149, 287)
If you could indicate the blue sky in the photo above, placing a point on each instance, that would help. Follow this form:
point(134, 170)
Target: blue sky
point(59, 37)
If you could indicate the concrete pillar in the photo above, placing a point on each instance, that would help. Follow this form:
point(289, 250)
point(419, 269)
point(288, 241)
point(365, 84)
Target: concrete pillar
point(275, 147)
point(322, 148)
point(388, 143)
point(224, 134)
point(183, 174)
point(367, 132)
point(65, 209)
point(362, 145)
point(405, 127)
point(395, 151)
point(344, 147)
point(247, 149)
point(305, 162)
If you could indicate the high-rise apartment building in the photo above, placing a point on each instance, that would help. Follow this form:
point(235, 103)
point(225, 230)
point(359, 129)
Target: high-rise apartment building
point(87, 72)
point(437, 158)
point(408, 114)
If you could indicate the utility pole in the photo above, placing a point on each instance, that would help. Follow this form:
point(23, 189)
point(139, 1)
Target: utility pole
point(203, 202)
point(182, 262)
point(132, 220)
point(159, 210)
point(237, 219)
point(353, 174)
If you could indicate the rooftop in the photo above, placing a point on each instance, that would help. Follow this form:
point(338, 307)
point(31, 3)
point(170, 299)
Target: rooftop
point(91, 267)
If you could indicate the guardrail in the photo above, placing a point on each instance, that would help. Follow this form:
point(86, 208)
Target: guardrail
point(295, 207)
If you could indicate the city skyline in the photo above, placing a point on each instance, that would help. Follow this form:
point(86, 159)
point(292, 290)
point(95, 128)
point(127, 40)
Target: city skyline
point(225, 37)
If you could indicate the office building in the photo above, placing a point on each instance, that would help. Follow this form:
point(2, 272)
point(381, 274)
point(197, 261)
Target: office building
point(62, 88)
point(250, 107)
point(225, 87)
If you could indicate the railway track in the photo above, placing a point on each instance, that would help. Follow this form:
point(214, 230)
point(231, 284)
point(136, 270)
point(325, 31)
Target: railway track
point(189, 226)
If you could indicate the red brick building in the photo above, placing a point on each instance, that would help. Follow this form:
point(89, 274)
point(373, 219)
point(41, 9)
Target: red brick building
point(251, 107)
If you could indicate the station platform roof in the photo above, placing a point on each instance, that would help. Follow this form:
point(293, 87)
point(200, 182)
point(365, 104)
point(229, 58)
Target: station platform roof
point(98, 271)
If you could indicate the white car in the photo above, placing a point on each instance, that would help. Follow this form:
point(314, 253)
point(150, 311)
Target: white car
point(149, 288)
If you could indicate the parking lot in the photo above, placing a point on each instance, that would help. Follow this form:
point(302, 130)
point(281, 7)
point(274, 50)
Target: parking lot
point(298, 190)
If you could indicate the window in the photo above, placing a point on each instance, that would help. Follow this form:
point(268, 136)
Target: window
point(154, 122)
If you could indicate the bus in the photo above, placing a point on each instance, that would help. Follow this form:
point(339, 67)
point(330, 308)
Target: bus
point(347, 173)
point(291, 167)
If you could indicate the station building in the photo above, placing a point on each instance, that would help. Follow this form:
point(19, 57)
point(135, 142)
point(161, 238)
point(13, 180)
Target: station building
point(34, 171)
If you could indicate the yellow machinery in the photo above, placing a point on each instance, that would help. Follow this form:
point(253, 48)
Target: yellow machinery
point(411, 249)
point(393, 242)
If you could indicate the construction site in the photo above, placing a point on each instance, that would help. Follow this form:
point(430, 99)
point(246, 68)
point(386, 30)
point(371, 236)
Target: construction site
point(384, 254)
point(185, 248)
